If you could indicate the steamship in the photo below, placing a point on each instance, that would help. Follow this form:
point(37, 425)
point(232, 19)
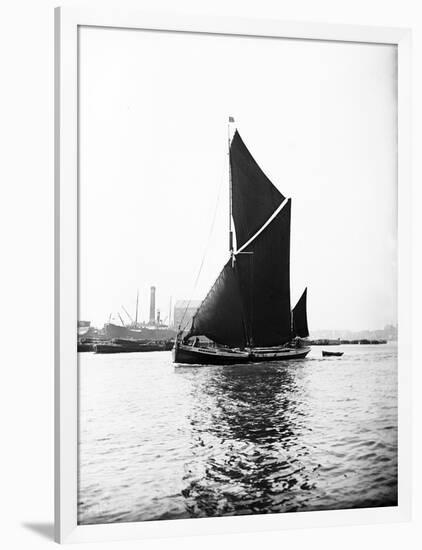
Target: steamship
point(154, 330)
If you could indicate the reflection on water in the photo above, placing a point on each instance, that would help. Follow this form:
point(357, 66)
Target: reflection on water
point(245, 444)
point(163, 442)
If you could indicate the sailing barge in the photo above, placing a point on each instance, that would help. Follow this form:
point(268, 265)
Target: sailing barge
point(247, 313)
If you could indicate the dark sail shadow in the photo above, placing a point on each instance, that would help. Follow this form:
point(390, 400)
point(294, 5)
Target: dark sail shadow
point(247, 454)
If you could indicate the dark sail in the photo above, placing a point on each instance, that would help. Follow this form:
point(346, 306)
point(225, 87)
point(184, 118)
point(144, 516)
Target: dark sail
point(264, 278)
point(300, 321)
point(220, 315)
point(254, 197)
point(249, 304)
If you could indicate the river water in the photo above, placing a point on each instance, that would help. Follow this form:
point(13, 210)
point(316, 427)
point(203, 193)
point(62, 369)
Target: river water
point(163, 442)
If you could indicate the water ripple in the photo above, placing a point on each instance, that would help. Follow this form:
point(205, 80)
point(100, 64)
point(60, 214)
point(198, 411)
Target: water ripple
point(159, 442)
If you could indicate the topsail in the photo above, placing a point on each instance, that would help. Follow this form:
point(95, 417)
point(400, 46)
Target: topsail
point(254, 197)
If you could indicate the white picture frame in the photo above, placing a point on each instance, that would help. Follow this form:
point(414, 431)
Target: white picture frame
point(67, 22)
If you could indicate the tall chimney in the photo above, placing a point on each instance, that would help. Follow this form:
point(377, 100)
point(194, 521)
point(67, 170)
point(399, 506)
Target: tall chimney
point(152, 306)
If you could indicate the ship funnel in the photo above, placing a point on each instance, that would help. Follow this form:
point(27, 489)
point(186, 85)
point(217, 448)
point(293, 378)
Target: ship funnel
point(152, 306)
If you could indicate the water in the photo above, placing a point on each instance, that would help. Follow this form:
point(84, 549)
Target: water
point(165, 442)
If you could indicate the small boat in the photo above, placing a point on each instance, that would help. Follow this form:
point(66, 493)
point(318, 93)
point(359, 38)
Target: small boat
point(247, 315)
point(85, 346)
point(122, 345)
point(332, 353)
point(108, 347)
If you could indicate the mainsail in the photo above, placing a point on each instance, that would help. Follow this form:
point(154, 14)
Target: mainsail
point(300, 321)
point(264, 277)
point(249, 304)
point(220, 316)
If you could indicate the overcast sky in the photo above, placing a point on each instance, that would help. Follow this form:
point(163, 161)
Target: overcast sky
point(320, 119)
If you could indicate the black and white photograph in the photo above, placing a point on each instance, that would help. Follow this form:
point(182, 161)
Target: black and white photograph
point(237, 275)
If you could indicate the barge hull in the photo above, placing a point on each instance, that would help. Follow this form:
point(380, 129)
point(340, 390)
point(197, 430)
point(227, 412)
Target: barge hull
point(189, 355)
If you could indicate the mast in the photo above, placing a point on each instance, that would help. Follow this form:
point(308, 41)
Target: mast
point(127, 313)
point(123, 324)
point(231, 120)
point(137, 303)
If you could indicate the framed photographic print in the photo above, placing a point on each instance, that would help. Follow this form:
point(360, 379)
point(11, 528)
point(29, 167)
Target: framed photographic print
point(232, 275)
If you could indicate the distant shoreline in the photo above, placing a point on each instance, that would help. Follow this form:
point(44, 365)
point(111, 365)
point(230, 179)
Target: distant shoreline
point(339, 342)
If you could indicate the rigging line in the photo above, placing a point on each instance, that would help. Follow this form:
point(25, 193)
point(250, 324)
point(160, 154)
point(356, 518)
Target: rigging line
point(266, 224)
point(206, 246)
